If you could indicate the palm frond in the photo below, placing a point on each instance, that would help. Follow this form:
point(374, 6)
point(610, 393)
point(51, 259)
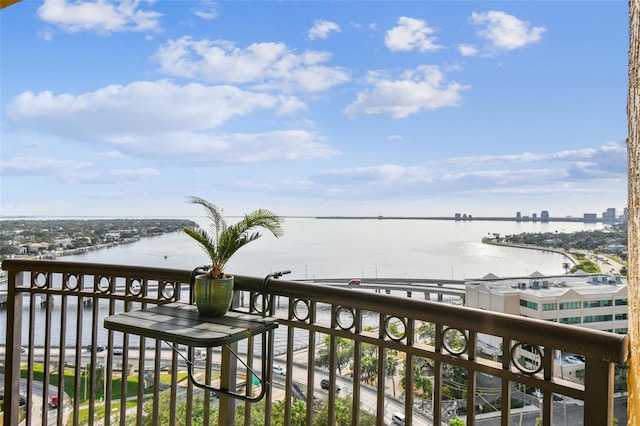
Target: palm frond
point(214, 213)
point(229, 239)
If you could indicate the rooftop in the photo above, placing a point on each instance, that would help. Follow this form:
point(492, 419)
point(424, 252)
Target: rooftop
point(557, 285)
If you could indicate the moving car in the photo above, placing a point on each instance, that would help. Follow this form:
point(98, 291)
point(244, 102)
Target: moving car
point(355, 282)
point(278, 369)
point(324, 384)
point(573, 359)
point(54, 401)
point(398, 419)
point(99, 348)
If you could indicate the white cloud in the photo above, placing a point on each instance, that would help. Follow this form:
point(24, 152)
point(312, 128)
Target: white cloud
point(72, 171)
point(322, 28)
point(367, 175)
point(267, 66)
point(40, 166)
point(411, 34)
point(111, 176)
point(101, 16)
point(416, 90)
point(164, 121)
point(504, 31)
point(207, 9)
point(210, 149)
point(607, 151)
point(139, 107)
point(584, 171)
point(467, 50)
point(111, 154)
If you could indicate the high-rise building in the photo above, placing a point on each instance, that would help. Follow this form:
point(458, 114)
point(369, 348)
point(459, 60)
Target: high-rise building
point(609, 216)
point(544, 216)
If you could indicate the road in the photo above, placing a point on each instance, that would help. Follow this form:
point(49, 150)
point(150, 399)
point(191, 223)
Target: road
point(569, 414)
point(368, 395)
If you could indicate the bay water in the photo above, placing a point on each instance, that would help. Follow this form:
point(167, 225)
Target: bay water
point(360, 248)
point(345, 249)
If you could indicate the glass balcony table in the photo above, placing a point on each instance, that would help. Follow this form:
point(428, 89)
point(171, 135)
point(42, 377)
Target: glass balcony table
point(180, 323)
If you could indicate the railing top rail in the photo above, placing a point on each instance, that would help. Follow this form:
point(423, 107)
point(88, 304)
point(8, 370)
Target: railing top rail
point(591, 343)
point(167, 274)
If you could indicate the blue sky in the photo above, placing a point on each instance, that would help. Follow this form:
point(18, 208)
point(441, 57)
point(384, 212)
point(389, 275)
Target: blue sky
point(413, 108)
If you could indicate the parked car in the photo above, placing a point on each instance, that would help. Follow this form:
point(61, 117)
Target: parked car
point(278, 369)
point(398, 419)
point(324, 384)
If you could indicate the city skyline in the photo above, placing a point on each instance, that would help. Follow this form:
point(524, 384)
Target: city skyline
point(313, 108)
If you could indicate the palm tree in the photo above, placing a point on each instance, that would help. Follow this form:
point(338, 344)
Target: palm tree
point(221, 241)
point(391, 368)
point(566, 265)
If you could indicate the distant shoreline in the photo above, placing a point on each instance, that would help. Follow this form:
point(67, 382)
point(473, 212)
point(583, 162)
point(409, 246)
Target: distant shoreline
point(494, 219)
point(529, 247)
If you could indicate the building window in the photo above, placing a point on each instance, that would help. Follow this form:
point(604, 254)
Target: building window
point(620, 317)
point(598, 318)
point(621, 302)
point(530, 305)
point(597, 303)
point(570, 305)
point(570, 320)
point(549, 306)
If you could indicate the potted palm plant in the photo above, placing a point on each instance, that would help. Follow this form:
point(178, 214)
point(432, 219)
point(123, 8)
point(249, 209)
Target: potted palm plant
point(213, 290)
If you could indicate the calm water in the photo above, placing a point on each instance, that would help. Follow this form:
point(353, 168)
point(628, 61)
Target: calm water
point(313, 248)
point(327, 248)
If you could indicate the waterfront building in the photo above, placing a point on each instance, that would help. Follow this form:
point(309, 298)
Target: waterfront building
point(595, 301)
point(609, 216)
point(544, 216)
point(590, 217)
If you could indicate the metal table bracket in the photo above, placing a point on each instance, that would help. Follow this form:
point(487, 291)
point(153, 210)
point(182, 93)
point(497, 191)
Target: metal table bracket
point(180, 323)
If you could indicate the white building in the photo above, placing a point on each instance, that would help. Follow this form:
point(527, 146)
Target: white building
point(596, 301)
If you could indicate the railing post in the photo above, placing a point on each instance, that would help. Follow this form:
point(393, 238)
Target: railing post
point(598, 380)
point(12, 354)
point(227, 405)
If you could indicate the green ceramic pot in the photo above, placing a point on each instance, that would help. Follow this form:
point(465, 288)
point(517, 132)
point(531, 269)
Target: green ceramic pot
point(213, 296)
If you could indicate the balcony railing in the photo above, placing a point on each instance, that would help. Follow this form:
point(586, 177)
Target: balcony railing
point(386, 354)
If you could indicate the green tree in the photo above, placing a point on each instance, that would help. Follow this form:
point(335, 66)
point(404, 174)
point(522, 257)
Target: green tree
point(391, 367)
point(457, 421)
point(343, 414)
point(422, 385)
point(344, 352)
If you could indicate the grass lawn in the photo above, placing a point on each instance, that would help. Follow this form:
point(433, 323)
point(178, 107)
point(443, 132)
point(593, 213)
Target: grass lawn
point(116, 383)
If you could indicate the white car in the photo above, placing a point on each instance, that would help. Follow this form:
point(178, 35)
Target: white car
point(398, 419)
point(278, 369)
point(573, 359)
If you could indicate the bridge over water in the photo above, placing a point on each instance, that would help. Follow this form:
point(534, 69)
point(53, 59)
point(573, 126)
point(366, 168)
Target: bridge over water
point(426, 286)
